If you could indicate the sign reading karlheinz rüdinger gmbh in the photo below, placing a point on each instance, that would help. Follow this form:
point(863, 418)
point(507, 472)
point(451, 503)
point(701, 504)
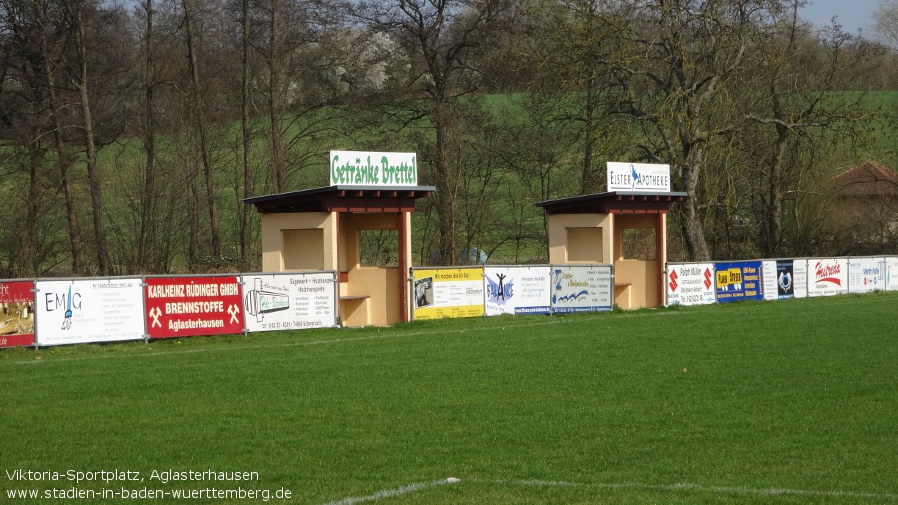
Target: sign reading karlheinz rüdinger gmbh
point(373, 169)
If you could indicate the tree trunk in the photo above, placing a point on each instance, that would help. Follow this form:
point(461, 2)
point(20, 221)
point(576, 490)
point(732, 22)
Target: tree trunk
point(445, 188)
point(247, 141)
point(28, 264)
point(104, 266)
point(692, 224)
point(275, 105)
point(63, 159)
point(148, 195)
point(203, 131)
point(589, 182)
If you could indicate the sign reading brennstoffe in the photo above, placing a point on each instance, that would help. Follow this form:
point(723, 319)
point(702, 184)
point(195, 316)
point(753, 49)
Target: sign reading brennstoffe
point(290, 301)
point(358, 168)
point(447, 292)
point(88, 310)
point(690, 284)
point(581, 288)
point(186, 306)
point(638, 177)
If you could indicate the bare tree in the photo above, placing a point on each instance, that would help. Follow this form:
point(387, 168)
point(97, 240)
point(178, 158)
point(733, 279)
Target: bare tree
point(54, 34)
point(795, 96)
point(201, 124)
point(245, 128)
point(440, 36)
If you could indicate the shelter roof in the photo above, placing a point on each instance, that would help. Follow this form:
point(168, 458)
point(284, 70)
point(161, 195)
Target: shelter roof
point(342, 198)
point(614, 202)
point(867, 179)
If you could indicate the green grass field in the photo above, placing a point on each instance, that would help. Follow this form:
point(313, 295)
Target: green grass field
point(762, 402)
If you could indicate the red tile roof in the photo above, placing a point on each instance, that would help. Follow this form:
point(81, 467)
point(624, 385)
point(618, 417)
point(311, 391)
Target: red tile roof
point(867, 179)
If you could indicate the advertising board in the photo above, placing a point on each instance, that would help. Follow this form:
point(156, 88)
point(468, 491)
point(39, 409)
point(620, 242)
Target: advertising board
point(690, 284)
point(289, 301)
point(866, 275)
point(736, 281)
point(88, 310)
point(638, 177)
point(517, 290)
point(892, 273)
point(357, 168)
point(187, 306)
point(582, 288)
point(784, 279)
point(447, 293)
point(16, 313)
point(827, 276)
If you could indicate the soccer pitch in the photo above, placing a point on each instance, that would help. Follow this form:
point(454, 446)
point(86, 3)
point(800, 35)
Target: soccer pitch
point(758, 402)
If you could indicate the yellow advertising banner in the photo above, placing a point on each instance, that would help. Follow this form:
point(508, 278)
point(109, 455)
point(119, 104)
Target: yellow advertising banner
point(447, 292)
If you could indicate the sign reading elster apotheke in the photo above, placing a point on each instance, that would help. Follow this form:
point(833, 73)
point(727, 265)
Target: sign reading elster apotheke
point(358, 168)
point(638, 177)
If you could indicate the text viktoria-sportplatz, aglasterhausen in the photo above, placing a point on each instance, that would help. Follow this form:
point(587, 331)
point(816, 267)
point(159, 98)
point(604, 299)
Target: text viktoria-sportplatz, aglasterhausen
point(163, 476)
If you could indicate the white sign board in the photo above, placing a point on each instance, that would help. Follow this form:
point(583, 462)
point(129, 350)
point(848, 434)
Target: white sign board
point(768, 279)
point(358, 168)
point(516, 290)
point(827, 276)
point(800, 279)
point(289, 301)
point(866, 275)
point(90, 310)
point(690, 284)
point(638, 177)
point(785, 279)
point(581, 288)
point(892, 273)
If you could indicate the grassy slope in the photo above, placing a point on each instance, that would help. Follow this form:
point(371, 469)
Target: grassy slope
point(732, 401)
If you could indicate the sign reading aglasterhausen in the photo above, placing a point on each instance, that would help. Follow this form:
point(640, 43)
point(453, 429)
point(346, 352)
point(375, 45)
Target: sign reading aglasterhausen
point(638, 177)
point(358, 168)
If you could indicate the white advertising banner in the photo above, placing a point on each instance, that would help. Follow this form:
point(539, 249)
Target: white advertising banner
point(827, 276)
point(581, 288)
point(892, 273)
point(516, 290)
point(638, 177)
point(89, 310)
point(800, 278)
point(690, 284)
point(373, 168)
point(784, 279)
point(768, 279)
point(289, 301)
point(866, 275)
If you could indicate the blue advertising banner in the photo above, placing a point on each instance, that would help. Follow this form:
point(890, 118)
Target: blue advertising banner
point(738, 281)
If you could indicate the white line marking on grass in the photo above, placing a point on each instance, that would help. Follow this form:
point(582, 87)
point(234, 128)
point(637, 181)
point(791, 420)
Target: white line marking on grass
point(413, 488)
point(389, 493)
point(697, 488)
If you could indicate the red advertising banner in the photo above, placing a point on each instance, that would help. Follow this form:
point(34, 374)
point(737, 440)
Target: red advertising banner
point(188, 306)
point(16, 313)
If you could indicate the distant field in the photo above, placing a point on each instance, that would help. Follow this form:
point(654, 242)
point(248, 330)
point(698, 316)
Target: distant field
point(762, 402)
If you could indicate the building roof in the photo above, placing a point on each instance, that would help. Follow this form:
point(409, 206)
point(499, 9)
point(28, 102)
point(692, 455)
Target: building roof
point(867, 179)
point(343, 199)
point(613, 202)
